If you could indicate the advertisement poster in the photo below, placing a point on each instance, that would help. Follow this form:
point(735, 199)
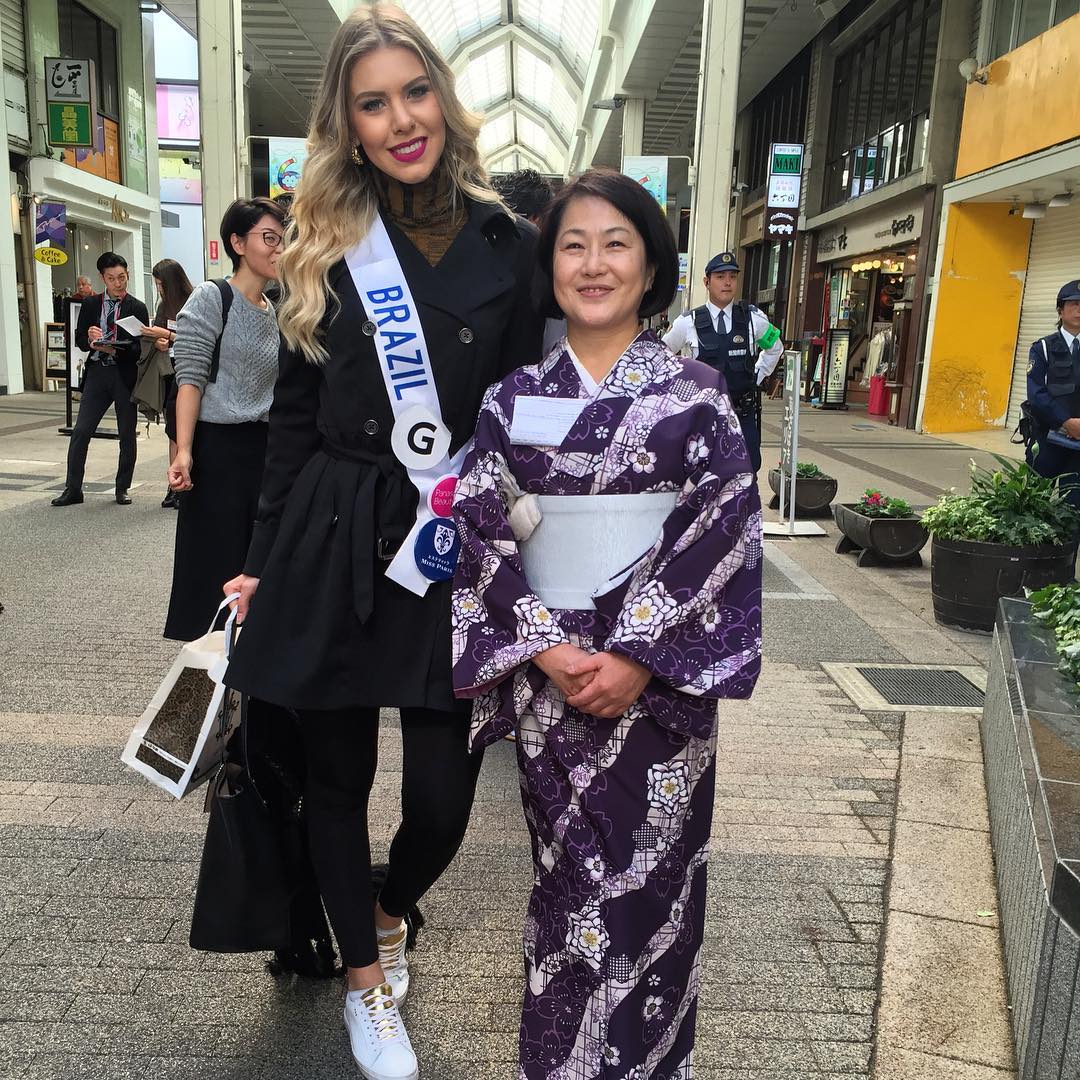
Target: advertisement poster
point(287, 157)
point(112, 150)
point(177, 112)
point(652, 174)
point(51, 224)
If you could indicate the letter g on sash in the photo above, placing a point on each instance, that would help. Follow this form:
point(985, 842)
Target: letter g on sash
point(421, 438)
point(418, 440)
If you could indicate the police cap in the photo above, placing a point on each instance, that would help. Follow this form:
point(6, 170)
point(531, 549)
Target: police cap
point(724, 261)
point(1069, 291)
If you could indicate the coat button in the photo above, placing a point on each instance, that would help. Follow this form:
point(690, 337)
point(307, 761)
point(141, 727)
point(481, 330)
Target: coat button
point(371, 427)
point(369, 328)
point(465, 336)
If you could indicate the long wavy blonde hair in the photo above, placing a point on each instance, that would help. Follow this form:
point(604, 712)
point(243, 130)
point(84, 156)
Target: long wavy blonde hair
point(336, 201)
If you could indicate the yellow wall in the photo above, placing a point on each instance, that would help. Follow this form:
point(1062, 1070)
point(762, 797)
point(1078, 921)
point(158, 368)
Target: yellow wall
point(978, 313)
point(1031, 101)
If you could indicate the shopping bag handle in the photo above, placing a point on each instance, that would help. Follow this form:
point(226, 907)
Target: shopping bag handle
point(230, 623)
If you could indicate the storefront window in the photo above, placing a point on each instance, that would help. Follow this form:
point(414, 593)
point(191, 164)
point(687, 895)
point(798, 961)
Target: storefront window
point(881, 103)
point(1017, 21)
point(778, 114)
point(84, 35)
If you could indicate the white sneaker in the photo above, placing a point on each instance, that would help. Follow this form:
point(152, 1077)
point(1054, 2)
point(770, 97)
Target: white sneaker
point(380, 1043)
point(392, 958)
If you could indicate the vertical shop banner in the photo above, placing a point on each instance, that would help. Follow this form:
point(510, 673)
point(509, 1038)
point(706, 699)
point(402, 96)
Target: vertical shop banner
point(69, 101)
point(287, 157)
point(652, 174)
point(784, 189)
point(834, 391)
point(51, 224)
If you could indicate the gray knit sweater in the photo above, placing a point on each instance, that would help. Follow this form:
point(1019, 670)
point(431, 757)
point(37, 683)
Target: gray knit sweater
point(249, 355)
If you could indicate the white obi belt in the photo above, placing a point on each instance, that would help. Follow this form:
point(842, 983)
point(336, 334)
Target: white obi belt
point(583, 544)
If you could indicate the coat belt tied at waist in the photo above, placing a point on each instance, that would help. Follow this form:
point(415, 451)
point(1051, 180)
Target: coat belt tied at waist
point(384, 510)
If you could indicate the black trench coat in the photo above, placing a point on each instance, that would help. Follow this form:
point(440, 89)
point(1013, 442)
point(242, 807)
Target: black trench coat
point(326, 629)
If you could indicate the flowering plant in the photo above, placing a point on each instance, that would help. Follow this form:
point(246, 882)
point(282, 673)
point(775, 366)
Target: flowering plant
point(874, 504)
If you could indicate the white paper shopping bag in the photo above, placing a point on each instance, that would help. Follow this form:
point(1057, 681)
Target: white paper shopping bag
point(180, 738)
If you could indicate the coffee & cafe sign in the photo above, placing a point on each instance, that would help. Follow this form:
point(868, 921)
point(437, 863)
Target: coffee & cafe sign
point(890, 226)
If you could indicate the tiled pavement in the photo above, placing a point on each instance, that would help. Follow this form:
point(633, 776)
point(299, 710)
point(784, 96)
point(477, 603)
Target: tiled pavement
point(97, 868)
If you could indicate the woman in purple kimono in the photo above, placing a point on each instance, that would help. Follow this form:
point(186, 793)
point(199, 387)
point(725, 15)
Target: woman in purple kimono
point(608, 591)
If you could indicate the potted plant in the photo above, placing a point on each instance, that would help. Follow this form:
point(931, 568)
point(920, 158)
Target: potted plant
point(1016, 530)
point(1058, 607)
point(814, 491)
point(885, 531)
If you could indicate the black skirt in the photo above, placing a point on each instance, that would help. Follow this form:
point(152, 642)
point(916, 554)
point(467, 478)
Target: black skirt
point(214, 522)
point(304, 645)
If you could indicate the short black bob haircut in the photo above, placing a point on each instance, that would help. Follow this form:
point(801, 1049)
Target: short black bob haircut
point(643, 212)
point(242, 216)
point(108, 260)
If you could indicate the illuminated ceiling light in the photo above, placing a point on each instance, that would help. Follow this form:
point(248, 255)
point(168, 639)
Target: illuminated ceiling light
point(1035, 210)
point(1064, 199)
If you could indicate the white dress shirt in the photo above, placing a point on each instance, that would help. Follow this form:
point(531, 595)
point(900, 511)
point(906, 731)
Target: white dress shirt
point(683, 336)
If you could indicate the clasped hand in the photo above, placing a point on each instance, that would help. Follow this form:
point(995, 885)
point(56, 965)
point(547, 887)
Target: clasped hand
point(601, 684)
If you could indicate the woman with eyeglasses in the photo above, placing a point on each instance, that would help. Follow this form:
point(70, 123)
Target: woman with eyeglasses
point(226, 359)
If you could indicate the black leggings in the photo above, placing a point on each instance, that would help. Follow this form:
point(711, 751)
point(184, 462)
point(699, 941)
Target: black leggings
point(438, 783)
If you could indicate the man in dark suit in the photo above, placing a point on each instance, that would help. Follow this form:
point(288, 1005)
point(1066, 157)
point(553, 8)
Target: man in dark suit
point(108, 378)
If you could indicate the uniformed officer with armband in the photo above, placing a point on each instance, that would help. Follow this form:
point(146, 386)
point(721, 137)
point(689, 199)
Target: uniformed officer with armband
point(734, 337)
point(1053, 404)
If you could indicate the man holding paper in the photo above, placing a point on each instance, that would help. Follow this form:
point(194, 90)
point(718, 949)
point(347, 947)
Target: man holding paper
point(110, 328)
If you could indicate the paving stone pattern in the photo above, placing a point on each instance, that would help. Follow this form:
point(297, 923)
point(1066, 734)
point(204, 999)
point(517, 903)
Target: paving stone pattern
point(97, 868)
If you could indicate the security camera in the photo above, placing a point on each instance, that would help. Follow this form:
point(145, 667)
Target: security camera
point(970, 72)
point(741, 188)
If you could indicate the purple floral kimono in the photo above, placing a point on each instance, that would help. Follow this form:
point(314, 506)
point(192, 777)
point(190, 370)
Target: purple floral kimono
point(619, 810)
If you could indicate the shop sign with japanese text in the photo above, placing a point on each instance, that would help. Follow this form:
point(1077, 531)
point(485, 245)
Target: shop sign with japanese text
point(784, 189)
point(69, 103)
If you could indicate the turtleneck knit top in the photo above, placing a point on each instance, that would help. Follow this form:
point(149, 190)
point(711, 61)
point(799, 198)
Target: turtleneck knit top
point(424, 212)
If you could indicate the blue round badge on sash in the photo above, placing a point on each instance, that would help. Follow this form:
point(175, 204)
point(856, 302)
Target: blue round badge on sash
point(436, 550)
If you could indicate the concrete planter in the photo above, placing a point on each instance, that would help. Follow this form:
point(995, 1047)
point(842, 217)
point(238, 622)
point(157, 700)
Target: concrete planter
point(880, 541)
point(812, 494)
point(1031, 749)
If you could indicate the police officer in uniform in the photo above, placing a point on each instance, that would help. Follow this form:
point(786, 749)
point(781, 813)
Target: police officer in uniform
point(736, 338)
point(1053, 385)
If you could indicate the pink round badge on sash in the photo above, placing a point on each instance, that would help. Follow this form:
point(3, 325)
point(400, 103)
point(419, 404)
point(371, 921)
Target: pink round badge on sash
point(441, 497)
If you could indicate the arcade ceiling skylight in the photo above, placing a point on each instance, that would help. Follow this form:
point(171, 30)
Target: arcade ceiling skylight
point(522, 63)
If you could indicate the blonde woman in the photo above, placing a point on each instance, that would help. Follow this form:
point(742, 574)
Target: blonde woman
point(406, 293)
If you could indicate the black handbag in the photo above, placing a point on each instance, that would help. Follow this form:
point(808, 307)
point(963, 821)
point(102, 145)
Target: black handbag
point(256, 889)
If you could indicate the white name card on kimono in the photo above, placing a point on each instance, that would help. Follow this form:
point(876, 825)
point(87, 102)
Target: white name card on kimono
point(544, 421)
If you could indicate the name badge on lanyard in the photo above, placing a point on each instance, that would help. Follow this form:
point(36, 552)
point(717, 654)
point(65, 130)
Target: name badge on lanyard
point(420, 440)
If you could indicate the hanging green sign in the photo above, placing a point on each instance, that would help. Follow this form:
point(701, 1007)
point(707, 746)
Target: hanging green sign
point(70, 124)
point(786, 160)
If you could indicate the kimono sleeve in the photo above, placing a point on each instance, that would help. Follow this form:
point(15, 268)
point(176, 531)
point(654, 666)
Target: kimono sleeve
point(291, 440)
point(691, 612)
point(498, 622)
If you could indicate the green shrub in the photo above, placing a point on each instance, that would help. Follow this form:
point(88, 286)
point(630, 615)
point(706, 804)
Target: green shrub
point(807, 470)
point(1059, 607)
point(1012, 504)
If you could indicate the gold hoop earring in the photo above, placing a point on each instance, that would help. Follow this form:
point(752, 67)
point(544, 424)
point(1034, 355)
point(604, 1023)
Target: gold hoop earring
point(357, 157)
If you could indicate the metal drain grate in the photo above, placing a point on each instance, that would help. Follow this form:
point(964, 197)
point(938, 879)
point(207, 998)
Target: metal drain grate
point(930, 687)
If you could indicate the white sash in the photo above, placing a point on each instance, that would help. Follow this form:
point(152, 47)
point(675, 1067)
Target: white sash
point(421, 442)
